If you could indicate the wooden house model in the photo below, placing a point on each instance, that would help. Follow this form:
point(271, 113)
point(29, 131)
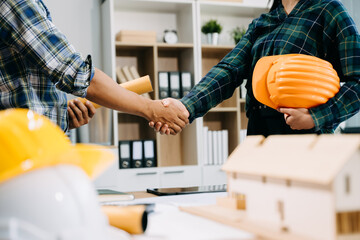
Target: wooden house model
point(297, 186)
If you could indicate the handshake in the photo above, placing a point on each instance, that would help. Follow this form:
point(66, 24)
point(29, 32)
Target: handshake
point(167, 116)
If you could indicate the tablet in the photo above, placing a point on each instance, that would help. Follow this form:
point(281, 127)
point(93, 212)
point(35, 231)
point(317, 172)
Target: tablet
point(187, 190)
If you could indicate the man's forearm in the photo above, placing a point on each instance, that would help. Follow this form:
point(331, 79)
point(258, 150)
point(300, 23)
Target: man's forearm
point(106, 92)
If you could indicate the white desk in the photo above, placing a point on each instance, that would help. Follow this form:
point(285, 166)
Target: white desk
point(168, 222)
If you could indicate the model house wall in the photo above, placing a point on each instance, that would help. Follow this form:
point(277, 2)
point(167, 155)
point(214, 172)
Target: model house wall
point(274, 202)
point(347, 186)
point(305, 185)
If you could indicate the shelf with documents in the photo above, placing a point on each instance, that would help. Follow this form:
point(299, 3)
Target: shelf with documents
point(180, 159)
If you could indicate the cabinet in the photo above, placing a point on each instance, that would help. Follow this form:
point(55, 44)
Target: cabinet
point(180, 158)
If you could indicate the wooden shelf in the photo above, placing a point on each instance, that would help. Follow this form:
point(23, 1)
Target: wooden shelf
point(147, 45)
point(133, 45)
point(185, 150)
point(175, 46)
point(224, 109)
point(206, 47)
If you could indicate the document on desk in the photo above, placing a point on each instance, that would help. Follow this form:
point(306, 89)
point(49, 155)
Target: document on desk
point(178, 200)
point(109, 196)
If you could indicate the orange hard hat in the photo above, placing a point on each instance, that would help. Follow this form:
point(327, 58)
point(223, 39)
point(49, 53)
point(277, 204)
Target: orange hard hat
point(294, 81)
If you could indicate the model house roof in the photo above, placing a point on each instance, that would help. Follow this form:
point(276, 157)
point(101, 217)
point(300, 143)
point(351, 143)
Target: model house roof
point(305, 158)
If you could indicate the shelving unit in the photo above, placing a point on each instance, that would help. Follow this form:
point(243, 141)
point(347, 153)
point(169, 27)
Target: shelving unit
point(179, 158)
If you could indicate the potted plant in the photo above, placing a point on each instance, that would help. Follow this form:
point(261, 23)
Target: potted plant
point(237, 33)
point(212, 29)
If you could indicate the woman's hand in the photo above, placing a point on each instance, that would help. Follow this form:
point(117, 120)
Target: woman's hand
point(297, 118)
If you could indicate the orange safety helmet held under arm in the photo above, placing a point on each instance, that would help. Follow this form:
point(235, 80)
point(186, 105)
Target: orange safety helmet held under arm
point(294, 81)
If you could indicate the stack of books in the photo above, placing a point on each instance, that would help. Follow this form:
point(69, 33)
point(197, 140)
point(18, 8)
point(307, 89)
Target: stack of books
point(128, 73)
point(215, 146)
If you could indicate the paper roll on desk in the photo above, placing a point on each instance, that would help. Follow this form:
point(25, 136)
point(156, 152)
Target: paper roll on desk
point(140, 86)
point(132, 219)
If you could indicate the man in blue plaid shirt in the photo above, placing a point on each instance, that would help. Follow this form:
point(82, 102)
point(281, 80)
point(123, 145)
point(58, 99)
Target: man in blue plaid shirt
point(38, 66)
point(320, 28)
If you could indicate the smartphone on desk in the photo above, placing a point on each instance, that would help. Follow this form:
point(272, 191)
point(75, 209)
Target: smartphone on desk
point(187, 190)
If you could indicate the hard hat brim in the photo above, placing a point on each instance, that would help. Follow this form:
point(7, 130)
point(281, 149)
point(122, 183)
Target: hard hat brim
point(94, 159)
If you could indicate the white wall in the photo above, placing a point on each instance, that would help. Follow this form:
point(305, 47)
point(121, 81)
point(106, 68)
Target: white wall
point(80, 21)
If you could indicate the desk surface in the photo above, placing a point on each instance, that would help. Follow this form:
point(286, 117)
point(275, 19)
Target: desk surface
point(167, 222)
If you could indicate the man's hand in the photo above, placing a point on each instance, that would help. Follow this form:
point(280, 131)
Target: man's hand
point(172, 106)
point(79, 113)
point(297, 118)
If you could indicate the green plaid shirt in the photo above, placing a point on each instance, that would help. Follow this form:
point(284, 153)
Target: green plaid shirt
point(37, 63)
point(320, 28)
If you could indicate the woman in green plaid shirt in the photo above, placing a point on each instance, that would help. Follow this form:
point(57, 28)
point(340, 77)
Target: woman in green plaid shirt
point(38, 66)
point(321, 28)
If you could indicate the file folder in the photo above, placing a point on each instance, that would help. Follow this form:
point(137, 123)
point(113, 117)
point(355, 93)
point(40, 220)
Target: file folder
point(164, 85)
point(137, 154)
point(149, 153)
point(174, 84)
point(186, 83)
point(124, 154)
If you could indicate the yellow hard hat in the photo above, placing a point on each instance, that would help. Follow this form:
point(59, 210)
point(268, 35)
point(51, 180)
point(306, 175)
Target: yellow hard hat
point(294, 80)
point(30, 141)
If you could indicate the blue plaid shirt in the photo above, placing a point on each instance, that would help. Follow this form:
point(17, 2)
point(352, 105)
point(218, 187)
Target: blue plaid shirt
point(320, 28)
point(37, 63)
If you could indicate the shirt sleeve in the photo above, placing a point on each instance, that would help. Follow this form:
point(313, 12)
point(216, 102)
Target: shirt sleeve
point(346, 102)
point(221, 81)
point(26, 28)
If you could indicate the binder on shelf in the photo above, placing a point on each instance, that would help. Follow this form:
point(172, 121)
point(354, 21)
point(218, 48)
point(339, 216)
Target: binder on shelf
point(174, 84)
point(225, 147)
point(210, 148)
point(149, 153)
point(137, 154)
point(124, 154)
point(243, 133)
point(164, 85)
point(205, 146)
point(219, 147)
point(186, 83)
point(243, 89)
point(215, 148)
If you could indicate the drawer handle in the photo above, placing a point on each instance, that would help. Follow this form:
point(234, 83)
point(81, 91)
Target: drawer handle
point(146, 173)
point(174, 172)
